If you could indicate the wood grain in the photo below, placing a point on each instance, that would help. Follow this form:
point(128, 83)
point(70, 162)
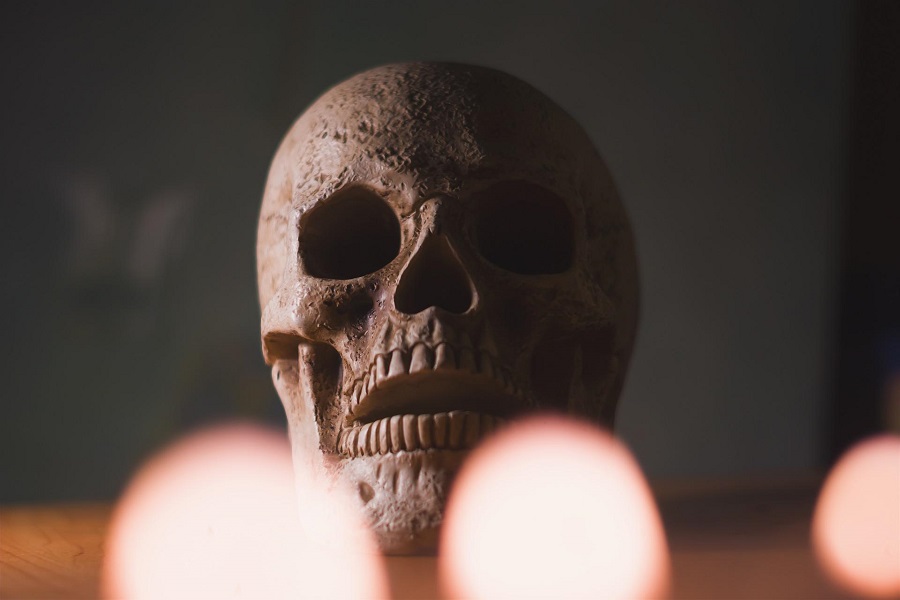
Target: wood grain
point(731, 540)
point(51, 551)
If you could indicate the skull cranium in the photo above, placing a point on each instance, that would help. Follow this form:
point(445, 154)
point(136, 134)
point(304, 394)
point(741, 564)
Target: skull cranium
point(440, 248)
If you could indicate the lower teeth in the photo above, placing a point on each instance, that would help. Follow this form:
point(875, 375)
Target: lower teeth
point(455, 430)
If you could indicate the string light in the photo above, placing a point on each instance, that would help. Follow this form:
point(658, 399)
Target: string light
point(856, 526)
point(553, 508)
point(216, 516)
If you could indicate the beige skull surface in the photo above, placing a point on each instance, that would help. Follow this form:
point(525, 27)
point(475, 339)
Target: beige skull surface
point(441, 248)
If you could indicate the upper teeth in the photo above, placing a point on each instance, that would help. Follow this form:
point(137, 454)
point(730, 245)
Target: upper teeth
point(423, 358)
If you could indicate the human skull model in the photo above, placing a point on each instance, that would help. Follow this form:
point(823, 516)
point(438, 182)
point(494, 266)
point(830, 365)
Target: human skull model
point(441, 248)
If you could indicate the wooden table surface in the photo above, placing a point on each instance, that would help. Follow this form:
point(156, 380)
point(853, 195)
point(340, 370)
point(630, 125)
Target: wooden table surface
point(745, 539)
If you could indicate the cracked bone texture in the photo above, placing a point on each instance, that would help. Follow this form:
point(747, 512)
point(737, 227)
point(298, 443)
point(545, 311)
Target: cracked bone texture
point(440, 249)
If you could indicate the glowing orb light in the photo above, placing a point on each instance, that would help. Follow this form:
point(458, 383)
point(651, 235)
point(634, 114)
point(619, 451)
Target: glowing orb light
point(856, 526)
point(553, 508)
point(215, 516)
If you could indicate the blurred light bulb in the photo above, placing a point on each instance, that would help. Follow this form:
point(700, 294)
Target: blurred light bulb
point(553, 508)
point(856, 526)
point(216, 516)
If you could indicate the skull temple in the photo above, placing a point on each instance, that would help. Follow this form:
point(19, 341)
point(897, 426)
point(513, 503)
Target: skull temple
point(440, 249)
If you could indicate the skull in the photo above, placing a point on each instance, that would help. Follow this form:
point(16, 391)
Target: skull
point(441, 248)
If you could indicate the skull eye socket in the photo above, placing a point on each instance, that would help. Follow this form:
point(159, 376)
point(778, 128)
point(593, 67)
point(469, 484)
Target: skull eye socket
point(523, 228)
point(351, 234)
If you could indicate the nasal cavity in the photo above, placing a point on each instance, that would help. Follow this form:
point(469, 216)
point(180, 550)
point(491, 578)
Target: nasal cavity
point(434, 278)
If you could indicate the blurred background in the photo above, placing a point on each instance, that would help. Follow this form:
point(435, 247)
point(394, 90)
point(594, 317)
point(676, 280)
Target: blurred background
point(755, 145)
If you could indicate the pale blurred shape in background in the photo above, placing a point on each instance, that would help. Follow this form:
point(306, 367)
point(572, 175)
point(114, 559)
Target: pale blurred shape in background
point(215, 516)
point(553, 508)
point(856, 526)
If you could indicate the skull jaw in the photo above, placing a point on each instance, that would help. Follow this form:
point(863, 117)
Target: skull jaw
point(402, 495)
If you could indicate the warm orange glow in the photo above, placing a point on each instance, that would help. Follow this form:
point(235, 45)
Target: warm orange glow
point(856, 527)
point(215, 516)
point(553, 508)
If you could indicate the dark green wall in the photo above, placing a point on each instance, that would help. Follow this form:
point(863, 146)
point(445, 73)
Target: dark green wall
point(135, 147)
